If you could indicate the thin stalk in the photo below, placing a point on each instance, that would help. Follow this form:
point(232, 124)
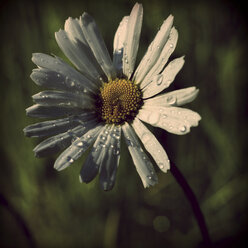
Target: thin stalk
point(194, 204)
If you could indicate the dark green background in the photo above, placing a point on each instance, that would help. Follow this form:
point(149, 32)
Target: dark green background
point(44, 208)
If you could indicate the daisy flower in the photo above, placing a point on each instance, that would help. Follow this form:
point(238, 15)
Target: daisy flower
point(104, 99)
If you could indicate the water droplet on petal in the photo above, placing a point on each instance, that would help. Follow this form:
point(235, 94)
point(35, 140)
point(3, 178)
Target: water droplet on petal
point(70, 159)
point(158, 79)
point(171, 45)
point(161, 165)
point(117, 152)
point(183, 129)
point(171, 100)
point(153, 118)
point(80, 144)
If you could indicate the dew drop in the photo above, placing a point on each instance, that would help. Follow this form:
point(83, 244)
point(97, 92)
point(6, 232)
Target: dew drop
point(164, 116)
point(153, 118)
point(145, 138)
point(80, 144)
point(70, 159)
point(161, 165)
point(158, 79)
point(171, 100)
point(72, 84)
point(183, 129)
point(149, 177)
point(171, 45)
point(117, 152)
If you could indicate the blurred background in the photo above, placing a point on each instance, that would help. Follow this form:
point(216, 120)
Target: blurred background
point(40, 207)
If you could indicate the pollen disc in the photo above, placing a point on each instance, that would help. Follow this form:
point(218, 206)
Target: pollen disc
point(119, 101)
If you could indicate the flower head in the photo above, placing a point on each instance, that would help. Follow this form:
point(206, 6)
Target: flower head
point(102, 99)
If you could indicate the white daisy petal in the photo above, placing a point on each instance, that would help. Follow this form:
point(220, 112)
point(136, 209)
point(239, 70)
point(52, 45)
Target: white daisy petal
point(154, 50)
point(57, 126)
point(76, 149)
point(60, 98)
point(61, 141)
point(110, 159)
point(92, 69)
point(131, 43)
point(172, 119)
point(97, 45)
point(53, 72)
point(119, 40)
point(79, 55)
point(104, 156)
point(152, 145)
point(41, 111)
point(162, 81)
point(167, 50)
point(142, 163)
point(173, 98)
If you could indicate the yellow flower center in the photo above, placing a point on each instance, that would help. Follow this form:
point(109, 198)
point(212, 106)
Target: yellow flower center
point(119, 101)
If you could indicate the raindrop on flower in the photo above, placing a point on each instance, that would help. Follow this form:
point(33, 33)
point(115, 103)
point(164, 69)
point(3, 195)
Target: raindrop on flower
point(171, 45)
point(80, 144)
point(153, 118)
point(159, 79)
point(171, 100)
point(183, 129)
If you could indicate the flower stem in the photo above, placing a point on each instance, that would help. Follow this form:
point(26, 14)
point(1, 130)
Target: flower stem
point(194, 204)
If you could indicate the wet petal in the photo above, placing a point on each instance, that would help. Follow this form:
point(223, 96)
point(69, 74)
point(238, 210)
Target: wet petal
point(104, 157)
point(173, 98)
point(154, 50)
point(167, 50)
point(60, 98)
point(131, 43)
point(110, 161)
point(61, 141)
point(119, 40)
point(152, 145)
point(142, 163)
point(76, 149)
point(54, 73)
point(79, 54)
point(97, 45)
point(173, 119)
point(162, 81)
point(57, 126)
point(41, 111)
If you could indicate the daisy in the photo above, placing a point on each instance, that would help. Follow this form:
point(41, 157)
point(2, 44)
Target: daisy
point(104, 99)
